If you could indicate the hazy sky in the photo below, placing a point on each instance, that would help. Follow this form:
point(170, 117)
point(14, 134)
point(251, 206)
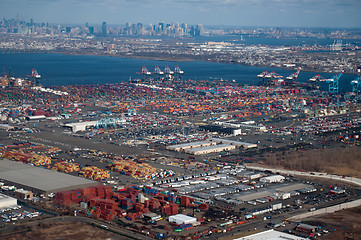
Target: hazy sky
point(304, 13)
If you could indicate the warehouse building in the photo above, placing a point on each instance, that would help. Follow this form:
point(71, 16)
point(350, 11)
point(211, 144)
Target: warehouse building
point(271, 234)
point(184, 146)
point(249, 175)
point(81, 126)
point(235, 143)
point(182, 219)
point(306, 228)
point(6, 201)
point(40, 180)
point(228, 124)
point(23, 194)
point(272, 179)
point(210, 149)
point(150, 216)
point(246, 124)
point(6, 127)
point(220, 129)
point(33, 118)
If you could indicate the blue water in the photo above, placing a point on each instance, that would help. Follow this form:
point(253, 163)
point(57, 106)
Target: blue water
point(58, 69)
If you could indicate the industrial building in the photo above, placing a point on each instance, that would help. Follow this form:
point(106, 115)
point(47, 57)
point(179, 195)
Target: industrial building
point(220, 129)
point(247, 124)
point(33, 118)
point(272, 179)
point(235, 143)
point(281, 191)
point(6, 201)
point(271, 234)
point(210, 149)
point(182, 219)
point(184, 146)
point(306, 228)
point(81, 126)
point(249, 175)
point(211, 146)
point(228, 124)
point(150, 216)
point(39, 179)
point(23, 194)
point(6, 127)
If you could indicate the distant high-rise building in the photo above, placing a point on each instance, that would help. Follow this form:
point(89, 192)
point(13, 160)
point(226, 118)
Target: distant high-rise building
point(161, 26)
point(192, 31)
point(104, 28)
point(199, 30)
point(91, 30)
point(68, 29)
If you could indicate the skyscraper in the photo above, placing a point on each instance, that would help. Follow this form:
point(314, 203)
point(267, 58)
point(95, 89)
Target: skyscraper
point(104, 28)
point(91, 30)
point(199, 30)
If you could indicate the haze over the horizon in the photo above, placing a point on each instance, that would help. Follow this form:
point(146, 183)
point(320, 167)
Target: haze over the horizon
point(294, 13)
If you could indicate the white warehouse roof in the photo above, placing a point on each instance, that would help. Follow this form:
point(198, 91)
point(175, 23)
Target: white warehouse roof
point(190, 145)
point(210, 149)
point(6, 201)
point(182, 219)
point(271, 235)
point(272, 178)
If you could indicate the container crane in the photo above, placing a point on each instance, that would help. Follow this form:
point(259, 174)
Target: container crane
point(145, 73)
point(333, 83)
point(35, 73)
point(293, 77)
point(272, 78)
point(35, 77)
point(262, 74)
point(356, 85)
point(168, 72)
point(178, 73)
point(317, 78)
point(157, 72)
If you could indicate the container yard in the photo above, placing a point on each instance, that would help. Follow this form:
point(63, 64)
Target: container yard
point(166, 158)
point(94, 173)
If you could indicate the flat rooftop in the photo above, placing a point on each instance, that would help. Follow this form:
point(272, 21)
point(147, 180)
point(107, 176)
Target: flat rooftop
point(271, 235)
point(269, 191)
point(40, 179)
point(236, 143)
point(190, 144)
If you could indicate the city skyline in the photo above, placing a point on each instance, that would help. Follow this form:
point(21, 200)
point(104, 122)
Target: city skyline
point(283, 13)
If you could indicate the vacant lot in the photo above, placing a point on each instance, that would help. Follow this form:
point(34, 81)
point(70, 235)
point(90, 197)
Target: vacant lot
point(346, 222)
point(340, 160)
point(61, 230)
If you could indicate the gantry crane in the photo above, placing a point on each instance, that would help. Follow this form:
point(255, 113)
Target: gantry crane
point(356, 85)
point(333, 83)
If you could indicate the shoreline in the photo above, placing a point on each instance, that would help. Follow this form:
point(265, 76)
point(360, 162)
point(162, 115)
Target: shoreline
point(170, 59)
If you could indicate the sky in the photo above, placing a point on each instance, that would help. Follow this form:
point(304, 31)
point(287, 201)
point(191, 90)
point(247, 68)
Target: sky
point(282, 13)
